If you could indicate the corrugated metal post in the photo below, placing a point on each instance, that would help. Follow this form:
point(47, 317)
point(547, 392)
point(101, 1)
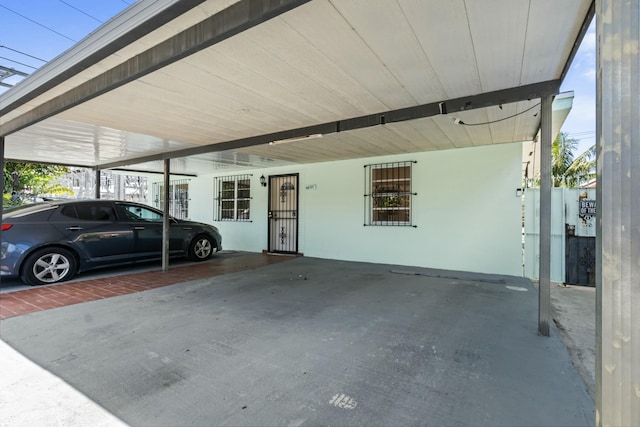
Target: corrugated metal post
point(618, 213)
point(2, 168)
point(165, 222)
point(544, 278)
point(1, 186)
point(97, 189)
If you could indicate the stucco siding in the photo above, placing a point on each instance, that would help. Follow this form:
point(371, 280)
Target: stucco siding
point(466, 212)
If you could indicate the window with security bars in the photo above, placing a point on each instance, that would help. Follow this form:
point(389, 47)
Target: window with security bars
point(388, 194)
point(178, 197)
point(233, 198)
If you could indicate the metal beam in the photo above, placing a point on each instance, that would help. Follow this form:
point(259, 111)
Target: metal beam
point(97, 189)
point(544, 276)
point(489, 99)
point(12, 71)
point(618, 213)
point(233, 20)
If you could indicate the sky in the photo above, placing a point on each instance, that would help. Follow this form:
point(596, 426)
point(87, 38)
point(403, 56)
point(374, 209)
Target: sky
point(35, 31)
point(581, 78)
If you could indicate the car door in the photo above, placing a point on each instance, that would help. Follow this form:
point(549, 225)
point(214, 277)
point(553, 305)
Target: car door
point(93, 230)
point(146, 225)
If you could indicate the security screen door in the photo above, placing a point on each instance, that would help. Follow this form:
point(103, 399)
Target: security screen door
point(283, 214)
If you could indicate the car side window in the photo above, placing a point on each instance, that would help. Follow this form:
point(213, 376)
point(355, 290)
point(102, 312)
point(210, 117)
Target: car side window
point(103, 213)
point(139, 213)
point(88, 212)
point(69, 211)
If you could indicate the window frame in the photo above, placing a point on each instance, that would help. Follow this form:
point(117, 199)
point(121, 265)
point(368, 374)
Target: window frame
point(129, 210)
point(178, 197)
point(389, 195)
point(240, 202)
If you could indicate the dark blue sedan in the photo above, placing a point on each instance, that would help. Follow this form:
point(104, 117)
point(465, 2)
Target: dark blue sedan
point(50, 242)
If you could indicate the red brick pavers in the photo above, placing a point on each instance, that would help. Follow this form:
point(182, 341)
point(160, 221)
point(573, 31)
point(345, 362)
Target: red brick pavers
point(46, 297)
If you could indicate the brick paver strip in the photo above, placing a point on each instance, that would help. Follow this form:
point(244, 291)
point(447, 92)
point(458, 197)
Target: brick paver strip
point(46, 297)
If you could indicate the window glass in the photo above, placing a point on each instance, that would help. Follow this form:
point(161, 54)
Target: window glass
point(178, 198)
point(139, 213)
point(233, 196)
point(103, 213)
point(87, 212)
point(389, 197)
point(69, 211)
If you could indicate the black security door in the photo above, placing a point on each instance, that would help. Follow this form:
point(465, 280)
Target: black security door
point(283, 214)
point(580, 260)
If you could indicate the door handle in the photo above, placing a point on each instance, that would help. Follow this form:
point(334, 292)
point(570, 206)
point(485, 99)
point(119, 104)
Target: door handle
point(75, 228)
point(138, 228)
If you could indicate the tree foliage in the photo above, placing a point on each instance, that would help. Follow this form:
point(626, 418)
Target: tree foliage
point(23, 181)
point(567, 171)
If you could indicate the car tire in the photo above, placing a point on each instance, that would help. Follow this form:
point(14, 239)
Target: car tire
point(48, 266)
point(201, 248)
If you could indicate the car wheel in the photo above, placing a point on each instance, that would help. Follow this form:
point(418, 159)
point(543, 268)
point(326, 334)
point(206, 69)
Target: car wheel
point(49, 265)
point(201, 248)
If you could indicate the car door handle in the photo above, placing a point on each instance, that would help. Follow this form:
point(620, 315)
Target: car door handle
point(74, 228)
point(138, 228)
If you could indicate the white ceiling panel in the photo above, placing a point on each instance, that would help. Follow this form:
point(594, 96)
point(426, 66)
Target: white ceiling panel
point(322, 26)
point(444, 35)
point(399, 51)
point(544, 56)
point(74, 143)
point(499, 46)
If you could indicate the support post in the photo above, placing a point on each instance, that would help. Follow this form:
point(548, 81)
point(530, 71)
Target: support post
point(618, 213)
point(97, 189)
point(544, 291)
point(165, 218)
point(1, 187)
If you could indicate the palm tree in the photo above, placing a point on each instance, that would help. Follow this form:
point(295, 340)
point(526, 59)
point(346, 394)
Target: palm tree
point(567, 171)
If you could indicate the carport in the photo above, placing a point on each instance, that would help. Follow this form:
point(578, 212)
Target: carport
point(183, 86)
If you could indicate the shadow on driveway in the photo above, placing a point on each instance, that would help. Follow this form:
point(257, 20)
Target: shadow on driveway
point(314, 342)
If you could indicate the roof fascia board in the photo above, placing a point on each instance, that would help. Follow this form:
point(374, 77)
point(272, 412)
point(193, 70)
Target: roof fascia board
point(233, 20)
point(130, 25)
point(483, 100)
point(576, 44)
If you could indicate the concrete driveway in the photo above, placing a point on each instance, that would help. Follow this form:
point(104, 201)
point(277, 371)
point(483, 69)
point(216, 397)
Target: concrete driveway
point(314, 342)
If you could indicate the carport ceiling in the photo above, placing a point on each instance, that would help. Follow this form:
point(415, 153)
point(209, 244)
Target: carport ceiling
point(220, 79)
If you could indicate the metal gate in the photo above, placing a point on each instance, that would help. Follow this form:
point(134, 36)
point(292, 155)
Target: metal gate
point(283, 214)
point(580, 260)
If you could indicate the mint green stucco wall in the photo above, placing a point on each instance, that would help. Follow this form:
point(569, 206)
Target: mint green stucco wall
point(467, 214)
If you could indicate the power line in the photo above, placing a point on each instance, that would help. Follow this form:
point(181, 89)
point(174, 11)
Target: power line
point(22, 53)
point(81, 11)
point(37, 23)
point(583, 133)
point(460, 122)
point(19, 63)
